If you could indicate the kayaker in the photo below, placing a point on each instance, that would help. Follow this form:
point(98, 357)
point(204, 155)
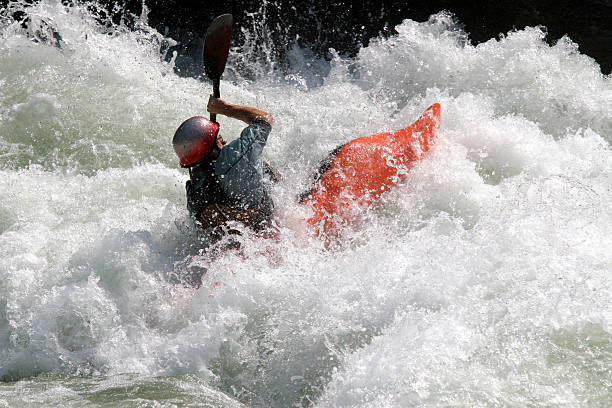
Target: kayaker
point(226, 180)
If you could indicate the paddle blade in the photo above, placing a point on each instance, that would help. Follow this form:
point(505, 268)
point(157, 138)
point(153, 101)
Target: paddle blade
point(216, 45)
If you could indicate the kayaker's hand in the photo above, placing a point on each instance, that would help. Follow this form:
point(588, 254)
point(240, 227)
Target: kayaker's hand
point(217, 105)
point(243, 113)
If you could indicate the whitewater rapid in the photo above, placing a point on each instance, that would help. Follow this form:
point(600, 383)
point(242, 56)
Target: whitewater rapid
point(484, 280)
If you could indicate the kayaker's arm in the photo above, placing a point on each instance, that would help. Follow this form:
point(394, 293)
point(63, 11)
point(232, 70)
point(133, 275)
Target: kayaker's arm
point(244, 113)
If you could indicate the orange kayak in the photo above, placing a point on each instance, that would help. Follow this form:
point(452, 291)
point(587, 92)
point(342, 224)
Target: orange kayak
point(366, 167)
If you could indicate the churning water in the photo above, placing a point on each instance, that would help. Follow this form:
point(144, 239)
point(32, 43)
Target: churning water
point(484, 280)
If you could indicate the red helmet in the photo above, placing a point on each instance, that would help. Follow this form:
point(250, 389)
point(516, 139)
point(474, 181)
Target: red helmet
point(194, 139)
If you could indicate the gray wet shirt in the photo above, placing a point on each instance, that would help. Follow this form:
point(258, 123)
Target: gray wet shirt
point(240, 165)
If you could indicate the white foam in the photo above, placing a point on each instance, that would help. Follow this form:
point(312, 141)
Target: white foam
point(488, 268)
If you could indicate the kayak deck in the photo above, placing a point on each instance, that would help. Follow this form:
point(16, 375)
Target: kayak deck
point(365, 168)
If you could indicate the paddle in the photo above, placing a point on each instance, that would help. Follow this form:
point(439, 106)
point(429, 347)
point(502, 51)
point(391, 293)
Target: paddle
point(216, 49)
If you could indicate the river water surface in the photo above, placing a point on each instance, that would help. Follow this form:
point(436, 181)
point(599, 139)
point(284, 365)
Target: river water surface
point(484, 280)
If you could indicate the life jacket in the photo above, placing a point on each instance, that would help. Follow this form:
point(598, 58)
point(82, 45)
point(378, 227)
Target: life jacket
point(214, 208)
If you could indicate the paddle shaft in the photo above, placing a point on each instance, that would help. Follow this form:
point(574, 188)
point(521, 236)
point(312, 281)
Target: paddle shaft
point(217, 94)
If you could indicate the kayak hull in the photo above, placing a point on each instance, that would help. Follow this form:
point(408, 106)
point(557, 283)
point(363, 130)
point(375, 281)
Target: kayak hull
point(365, 168)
